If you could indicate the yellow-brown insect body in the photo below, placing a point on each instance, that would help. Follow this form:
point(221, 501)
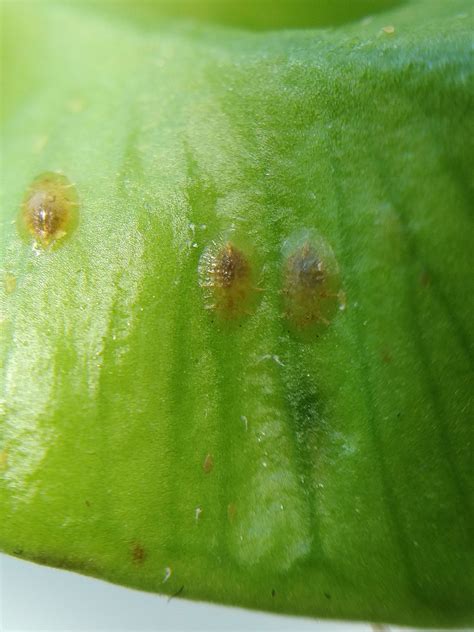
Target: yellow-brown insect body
point(49, 209)
point(311, 285)
point(226, 275)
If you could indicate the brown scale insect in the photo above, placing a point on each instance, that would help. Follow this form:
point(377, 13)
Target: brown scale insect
point(226, 275)
point(49, 209)
point(310, 287)
point(138, 553)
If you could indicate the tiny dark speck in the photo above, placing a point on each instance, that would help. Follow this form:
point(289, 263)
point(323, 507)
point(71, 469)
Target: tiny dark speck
point(273, 592)
point(327, 595)
point(176, 594)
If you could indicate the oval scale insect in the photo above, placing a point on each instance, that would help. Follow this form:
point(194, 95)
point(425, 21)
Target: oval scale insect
point(49, 209)
point(311, 287)
point(227, 276)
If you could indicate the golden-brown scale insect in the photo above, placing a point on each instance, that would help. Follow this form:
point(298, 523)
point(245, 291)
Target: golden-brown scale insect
point(311, 285)
point(226, 275)
point(49, 208)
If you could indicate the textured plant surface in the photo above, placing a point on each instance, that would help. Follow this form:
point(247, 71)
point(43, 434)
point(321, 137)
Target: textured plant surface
point(237, 302)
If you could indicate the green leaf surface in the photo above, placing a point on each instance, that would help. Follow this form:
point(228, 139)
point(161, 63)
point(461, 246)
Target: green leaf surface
point(244, 372)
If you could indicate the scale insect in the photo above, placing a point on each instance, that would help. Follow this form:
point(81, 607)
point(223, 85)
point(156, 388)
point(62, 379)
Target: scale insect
point(311, 287)
point(49, 210)
point(226, 275)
